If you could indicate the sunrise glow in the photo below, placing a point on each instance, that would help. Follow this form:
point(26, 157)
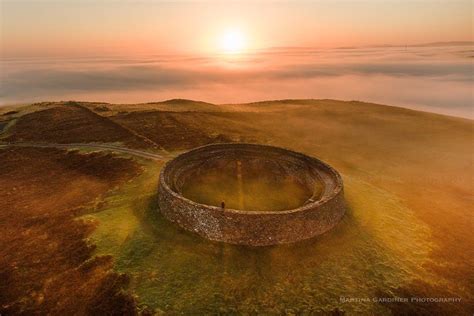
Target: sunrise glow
point(233, 41)
point(267, 157)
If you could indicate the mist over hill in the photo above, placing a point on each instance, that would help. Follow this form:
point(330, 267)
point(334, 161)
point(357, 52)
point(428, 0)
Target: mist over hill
point(435, 77)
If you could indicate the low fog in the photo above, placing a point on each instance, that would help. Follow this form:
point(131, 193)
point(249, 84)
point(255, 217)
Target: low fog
point(434, 78)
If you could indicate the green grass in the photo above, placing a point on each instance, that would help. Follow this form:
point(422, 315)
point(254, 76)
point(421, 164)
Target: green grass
point(248, 185)
point(408, 231)
point(379, 245)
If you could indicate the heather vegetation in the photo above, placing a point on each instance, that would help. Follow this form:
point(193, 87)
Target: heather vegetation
point(81, 231)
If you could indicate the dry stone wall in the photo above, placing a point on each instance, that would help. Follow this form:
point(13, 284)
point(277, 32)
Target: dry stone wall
point(318, 215)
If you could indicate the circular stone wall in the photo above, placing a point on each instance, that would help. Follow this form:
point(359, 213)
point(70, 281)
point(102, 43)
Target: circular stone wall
point(319, 206)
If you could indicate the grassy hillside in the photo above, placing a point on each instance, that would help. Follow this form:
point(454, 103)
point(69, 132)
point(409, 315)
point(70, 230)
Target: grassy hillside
point(46, 264)
point(407, 232)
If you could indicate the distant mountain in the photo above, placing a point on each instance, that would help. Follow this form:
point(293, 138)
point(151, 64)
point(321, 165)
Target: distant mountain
point(183, 105)
point(431, 44)
point(453, 43)
point(183, 102)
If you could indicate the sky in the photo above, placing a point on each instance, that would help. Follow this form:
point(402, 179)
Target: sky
point(416, 54)
point(104, 27)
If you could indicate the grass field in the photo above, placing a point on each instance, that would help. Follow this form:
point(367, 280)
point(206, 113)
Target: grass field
point(251, 185)
point(408, 231)
point(47, 265)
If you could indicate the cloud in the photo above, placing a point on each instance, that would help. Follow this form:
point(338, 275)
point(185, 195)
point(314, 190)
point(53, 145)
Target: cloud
point(286, 68)
point(132, 77)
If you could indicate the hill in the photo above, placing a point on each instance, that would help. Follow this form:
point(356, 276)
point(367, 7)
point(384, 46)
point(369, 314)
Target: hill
point(407, 178)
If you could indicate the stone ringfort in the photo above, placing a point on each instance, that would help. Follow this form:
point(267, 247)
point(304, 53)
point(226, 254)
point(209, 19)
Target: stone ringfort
point(317, 214)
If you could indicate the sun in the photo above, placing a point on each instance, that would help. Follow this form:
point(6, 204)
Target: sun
point(233, 41)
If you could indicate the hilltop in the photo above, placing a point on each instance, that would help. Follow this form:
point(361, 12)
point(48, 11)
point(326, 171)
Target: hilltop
point(87, 216)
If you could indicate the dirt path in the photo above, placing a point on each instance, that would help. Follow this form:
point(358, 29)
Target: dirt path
point(134, 152)
point(131, 131)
